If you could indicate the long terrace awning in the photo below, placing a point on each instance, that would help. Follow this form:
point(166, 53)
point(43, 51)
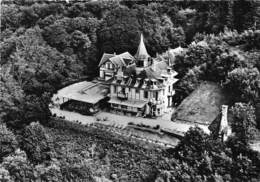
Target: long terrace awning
point(131, 102)
point(88, 92)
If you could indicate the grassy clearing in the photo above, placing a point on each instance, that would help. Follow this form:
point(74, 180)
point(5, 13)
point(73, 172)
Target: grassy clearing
point(203, 105)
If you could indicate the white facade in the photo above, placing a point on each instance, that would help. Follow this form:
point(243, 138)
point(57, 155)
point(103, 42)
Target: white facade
point(139, 85)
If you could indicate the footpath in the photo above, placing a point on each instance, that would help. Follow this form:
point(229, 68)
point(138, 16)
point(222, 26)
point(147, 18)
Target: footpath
point(121, 120)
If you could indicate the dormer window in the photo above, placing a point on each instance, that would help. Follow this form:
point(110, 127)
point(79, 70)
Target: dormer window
point(145, 83)
point(137, 83)
point(169, 69)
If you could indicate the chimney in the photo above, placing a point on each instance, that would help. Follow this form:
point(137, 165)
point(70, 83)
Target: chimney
point(224, 129)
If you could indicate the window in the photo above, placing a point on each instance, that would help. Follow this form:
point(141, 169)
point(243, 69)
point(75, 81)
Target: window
point(140, 63)
point(114, 88)
point(124, 107)
point(123, 90)
point(169, 88)
point(115, 105)
point(146, 94)
point(111, 66)
point(102, 75)
point(137, 91)
point(156, 95)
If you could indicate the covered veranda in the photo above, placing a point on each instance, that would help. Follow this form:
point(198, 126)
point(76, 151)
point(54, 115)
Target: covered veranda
point(127, 107)
point(82, 96)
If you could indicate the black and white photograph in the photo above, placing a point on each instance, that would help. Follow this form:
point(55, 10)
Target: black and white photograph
point(130, 91)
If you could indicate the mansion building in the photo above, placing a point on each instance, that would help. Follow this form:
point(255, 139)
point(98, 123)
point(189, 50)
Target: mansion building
point(139, 85)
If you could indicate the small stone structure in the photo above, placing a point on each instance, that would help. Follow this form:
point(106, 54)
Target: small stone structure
point(224, 130)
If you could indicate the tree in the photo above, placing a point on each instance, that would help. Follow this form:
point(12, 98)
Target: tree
point(36, 108)
point(189, 82)
point(34, 62)
point(8, 143)
point(222, 62)
point(244, 170)
point(7, 47)
point(11, 96)
point(121, 29)
point(28, 16)
point(77, 172)
point(243, 121)
point(80, 41)
point(4, 175)
point(18, 167)
point(78, 9)
point(48, 172)
point(244, 83)
point(198, 157)
point(10, 17)
point(47, 21)
point(158, 29)
point(197, 54)
point(37, 144)
point(56, 36)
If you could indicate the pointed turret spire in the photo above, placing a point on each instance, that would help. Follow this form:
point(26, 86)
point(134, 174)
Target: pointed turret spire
point(141, 52)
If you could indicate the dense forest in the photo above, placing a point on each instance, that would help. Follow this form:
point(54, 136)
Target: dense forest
point(48, 45)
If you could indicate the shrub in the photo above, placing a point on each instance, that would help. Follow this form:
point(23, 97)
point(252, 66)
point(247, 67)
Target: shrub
point(52, 172)
point(37, 143)
point(156, 127)
point(77, 172)
point(18, 167)
point(4, 175)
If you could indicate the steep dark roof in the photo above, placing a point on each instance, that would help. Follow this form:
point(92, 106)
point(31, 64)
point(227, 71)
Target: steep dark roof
point(130, 70)
point(152, 74)
point(118, 60)
point(105, 57)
